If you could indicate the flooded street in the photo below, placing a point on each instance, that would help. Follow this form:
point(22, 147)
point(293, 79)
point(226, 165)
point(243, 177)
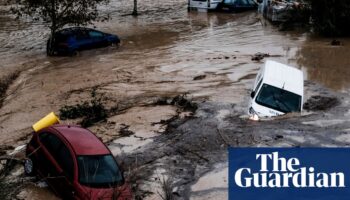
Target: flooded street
point(164, 51)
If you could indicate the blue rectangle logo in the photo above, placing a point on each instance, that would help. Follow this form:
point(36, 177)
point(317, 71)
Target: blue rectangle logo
point(289, 173)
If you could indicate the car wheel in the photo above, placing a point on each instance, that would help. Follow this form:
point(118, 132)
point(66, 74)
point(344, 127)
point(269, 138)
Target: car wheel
point(49, 48)
point(29, 167)
point(74, 53)
point(113, 44)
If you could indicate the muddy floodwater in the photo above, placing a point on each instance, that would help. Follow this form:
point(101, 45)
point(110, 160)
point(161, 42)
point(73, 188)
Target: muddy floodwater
point(167, 51)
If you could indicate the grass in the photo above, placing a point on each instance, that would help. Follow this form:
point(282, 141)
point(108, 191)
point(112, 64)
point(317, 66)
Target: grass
point(167, 186)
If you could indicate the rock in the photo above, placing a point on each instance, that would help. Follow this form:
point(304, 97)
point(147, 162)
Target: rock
point(200, 77)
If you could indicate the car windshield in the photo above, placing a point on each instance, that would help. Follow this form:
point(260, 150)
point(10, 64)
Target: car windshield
point(99, 171)
point(279, 99)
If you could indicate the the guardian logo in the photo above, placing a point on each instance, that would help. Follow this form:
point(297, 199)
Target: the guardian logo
point(289, 173)
point(286, 173)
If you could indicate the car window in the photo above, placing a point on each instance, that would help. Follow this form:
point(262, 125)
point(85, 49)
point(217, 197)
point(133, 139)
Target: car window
point(82, 34)
point(98, 171)
point(258, 86)
point(95, 34)
point(278, 99)
point(59, 152)
point(65, 160)
point(51, 142)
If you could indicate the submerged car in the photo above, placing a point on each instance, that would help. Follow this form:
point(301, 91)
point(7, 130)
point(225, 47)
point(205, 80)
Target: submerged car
point(238, 5)
point(278, 89)
point(229, 5)
point(279, 11)
point(71, 40)
point(203, 4)
point(75, 164)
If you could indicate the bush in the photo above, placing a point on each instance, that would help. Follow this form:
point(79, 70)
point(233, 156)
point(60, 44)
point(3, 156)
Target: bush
point(90, 112)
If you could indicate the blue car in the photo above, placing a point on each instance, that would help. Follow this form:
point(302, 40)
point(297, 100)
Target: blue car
point(71, 40)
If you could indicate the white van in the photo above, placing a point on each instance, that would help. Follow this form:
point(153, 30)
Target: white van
point(278, 89)
point(203, 4)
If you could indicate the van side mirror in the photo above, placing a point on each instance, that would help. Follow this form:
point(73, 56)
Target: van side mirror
point(259, 1)
point(252, 94)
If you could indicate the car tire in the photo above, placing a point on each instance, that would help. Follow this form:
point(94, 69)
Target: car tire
point(29, 167)
point(114, 44)
point(74, 53)
point(49, 50)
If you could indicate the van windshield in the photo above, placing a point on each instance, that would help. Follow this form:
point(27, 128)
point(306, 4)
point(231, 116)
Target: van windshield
point(99, 171)
point(278, 99)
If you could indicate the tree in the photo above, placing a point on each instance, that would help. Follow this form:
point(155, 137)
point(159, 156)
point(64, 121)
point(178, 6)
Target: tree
point(135, 8)
point(59, 13)
point(331, 17)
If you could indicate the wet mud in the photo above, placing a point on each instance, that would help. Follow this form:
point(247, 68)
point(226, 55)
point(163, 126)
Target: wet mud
point(176, 92)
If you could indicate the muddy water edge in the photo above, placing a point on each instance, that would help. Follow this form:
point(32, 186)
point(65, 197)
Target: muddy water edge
point(167, 52)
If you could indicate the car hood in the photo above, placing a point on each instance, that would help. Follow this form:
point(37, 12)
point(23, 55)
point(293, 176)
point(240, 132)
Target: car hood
point(118, 193)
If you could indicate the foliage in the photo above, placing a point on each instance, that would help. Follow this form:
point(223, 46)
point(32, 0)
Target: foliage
point(59, 13)
point(331, 17)
point(90, 112)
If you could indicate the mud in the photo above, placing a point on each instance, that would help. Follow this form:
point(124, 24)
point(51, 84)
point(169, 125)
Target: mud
point(316, 103)
point(167, 52)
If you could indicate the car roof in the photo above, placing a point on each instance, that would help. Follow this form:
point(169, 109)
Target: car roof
point(71, 30)
point(283, 76)
point(83, 141)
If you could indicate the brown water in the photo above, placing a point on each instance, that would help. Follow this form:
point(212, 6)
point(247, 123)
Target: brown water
point(162, 51)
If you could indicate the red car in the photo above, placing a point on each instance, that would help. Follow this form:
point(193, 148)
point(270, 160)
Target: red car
point(75, 164)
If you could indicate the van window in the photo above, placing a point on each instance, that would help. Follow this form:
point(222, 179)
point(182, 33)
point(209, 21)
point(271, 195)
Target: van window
point(258, 86)
point(278, 99)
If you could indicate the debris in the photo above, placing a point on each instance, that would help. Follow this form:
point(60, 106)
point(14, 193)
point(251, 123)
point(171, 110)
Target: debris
point(259, 56)
point(277, 137)
point(124, 131)
point(180, 101)
point(335, 43)
point(18, 149)
point(90, 112)
point(47, 121)
point(317, 102)
point(200, 77)
point(184, 103)
point(42, 184)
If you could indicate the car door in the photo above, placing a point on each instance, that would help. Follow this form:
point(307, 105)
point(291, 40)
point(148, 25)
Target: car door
point(98, 38)
point(58, 164)
point(84, 40)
